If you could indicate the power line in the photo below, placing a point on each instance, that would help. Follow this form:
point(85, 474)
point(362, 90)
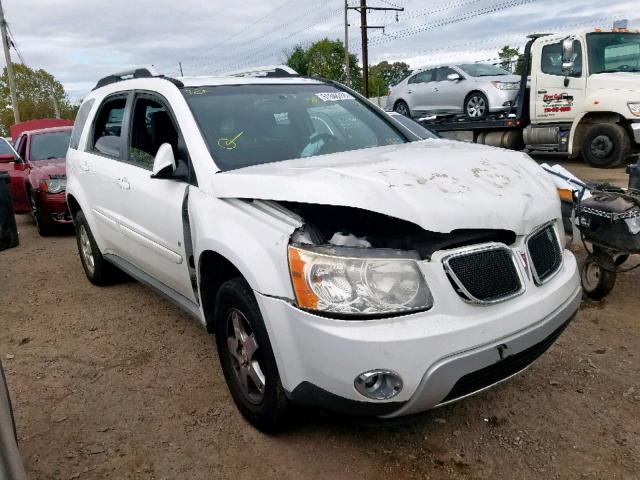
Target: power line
point(15, 45)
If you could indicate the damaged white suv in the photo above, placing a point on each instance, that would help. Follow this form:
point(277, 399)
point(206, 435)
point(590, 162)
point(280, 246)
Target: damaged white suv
point(341, 261)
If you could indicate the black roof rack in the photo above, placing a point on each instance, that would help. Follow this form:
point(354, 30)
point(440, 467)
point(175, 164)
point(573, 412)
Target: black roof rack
point(141, 72)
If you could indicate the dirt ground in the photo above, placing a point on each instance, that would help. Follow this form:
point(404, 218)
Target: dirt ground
point(115, 383)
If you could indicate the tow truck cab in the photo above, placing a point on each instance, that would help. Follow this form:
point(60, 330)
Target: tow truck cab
point(580, 95)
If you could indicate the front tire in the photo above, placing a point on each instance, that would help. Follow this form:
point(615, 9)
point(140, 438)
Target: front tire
point(246, 357)
point(476, 105)
point(606, 145)
point(402, 108)
point(43, 228)
point(96, 268)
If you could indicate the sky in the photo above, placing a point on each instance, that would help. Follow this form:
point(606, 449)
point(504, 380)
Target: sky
point(80, 41)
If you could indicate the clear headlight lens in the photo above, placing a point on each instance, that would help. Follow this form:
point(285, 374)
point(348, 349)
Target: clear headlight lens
point(506, 85)
point(53, 185)
point(633, 224)
point(634, 107)
point(339, 280)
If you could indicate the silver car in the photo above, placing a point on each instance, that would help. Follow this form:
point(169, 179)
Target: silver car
point(475, 89)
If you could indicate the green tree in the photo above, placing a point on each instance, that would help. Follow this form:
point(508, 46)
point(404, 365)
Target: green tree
point(36, 91)
point(384, 75)
point(325, 58)
point(511, 59)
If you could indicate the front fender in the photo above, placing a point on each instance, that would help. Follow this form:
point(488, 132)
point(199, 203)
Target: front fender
point(253, 236)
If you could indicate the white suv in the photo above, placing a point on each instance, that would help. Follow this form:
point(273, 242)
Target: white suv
point(342, 261)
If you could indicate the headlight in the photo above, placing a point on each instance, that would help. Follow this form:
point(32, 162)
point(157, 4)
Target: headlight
point(53, 185)
point(634, 107)
point(633, 224)
point(506, 85)
point(341, 280)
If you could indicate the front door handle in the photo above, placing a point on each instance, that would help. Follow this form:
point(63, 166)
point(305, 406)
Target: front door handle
point(84, 166)
point(542, 91)
point(435, 90)
point(409, 91)
point(124, 183)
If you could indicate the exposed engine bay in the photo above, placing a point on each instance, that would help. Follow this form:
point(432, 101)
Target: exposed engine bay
point(355, 227)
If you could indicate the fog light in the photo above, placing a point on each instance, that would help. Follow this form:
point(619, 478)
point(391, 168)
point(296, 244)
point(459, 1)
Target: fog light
point(378, 384)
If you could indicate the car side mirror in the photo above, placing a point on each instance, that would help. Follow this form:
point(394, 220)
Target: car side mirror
point(568, 63)
point(454, 77)
point(164, 165)
point(108, 145)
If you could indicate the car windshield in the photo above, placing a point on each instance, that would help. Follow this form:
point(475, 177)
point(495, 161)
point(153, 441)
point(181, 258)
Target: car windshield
point(246, 125)
point(613, 52)
point(49, 145)
point(482, 70)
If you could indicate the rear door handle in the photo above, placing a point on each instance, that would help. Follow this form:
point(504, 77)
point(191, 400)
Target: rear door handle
point(84, 166)
point(124, 183)
point(436, 90)
point(409, 91)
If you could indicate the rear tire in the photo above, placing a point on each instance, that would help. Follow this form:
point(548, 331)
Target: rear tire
point(246, 357)
point(98, 270)
point(476, 105)
point(402, 108)
point(598, 275)
point(606, 145)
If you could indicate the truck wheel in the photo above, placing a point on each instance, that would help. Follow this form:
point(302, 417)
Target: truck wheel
point(402, 108)
point(96, 268)
point(246, 357)
point(43, 228)
point(606, 145)
point(598, 275)
point(476, 105)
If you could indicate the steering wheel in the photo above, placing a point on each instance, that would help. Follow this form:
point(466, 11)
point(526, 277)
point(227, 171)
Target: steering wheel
point(316, 137)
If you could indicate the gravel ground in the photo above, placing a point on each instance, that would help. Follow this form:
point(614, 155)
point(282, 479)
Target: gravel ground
point(117, 383)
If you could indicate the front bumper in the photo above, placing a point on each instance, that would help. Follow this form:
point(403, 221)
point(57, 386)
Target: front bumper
point(500, 100)
point(635, 130)
point(54, 208)
point(430, 350)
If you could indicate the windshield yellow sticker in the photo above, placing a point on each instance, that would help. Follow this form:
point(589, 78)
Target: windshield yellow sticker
point(334, 96)
point(229, 144)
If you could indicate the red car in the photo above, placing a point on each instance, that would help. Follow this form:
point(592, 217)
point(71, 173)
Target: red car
point(39, 177)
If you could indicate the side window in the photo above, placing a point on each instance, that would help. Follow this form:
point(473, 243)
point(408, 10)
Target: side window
point(422, 77)
point(21, 146)
point(108, 127)
point(551, 61)
point(151, 126)
point(443, 72)
point(79, 123)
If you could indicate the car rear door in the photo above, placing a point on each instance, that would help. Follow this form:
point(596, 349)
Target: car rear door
point(152, 219)
point(97, 170)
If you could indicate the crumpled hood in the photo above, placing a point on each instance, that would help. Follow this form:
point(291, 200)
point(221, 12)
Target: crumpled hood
point(616, 81)
point(55, 167)
point(439, 185)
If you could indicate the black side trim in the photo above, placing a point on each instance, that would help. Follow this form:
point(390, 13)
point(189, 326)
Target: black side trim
point(188, 244)
point(313, 396)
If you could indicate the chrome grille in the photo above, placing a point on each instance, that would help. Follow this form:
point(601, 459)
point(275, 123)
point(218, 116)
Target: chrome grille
point(486, 274)
point(545, 253)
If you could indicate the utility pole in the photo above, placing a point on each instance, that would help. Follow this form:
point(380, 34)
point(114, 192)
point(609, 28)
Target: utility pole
point(346, 43)
point(180, 65)
point(7, 57)
point(364, 28)
point(56, 107)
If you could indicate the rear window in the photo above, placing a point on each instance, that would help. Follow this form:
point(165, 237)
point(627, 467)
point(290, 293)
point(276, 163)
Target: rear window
point(45, 146)
point(247, 125)
point(78, 126)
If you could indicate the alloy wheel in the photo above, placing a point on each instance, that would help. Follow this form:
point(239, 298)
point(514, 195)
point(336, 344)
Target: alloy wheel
point(244, 353)
point(85, 249)
point(476, 106)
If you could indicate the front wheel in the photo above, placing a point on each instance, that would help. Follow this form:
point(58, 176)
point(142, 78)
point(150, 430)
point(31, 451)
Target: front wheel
point(606, 145)
point(476, 105)
point(246, 357)
point(44, 229)
point(598, 275)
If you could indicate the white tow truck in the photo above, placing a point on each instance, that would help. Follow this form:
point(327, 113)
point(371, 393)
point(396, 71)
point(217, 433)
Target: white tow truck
point(580, 95)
